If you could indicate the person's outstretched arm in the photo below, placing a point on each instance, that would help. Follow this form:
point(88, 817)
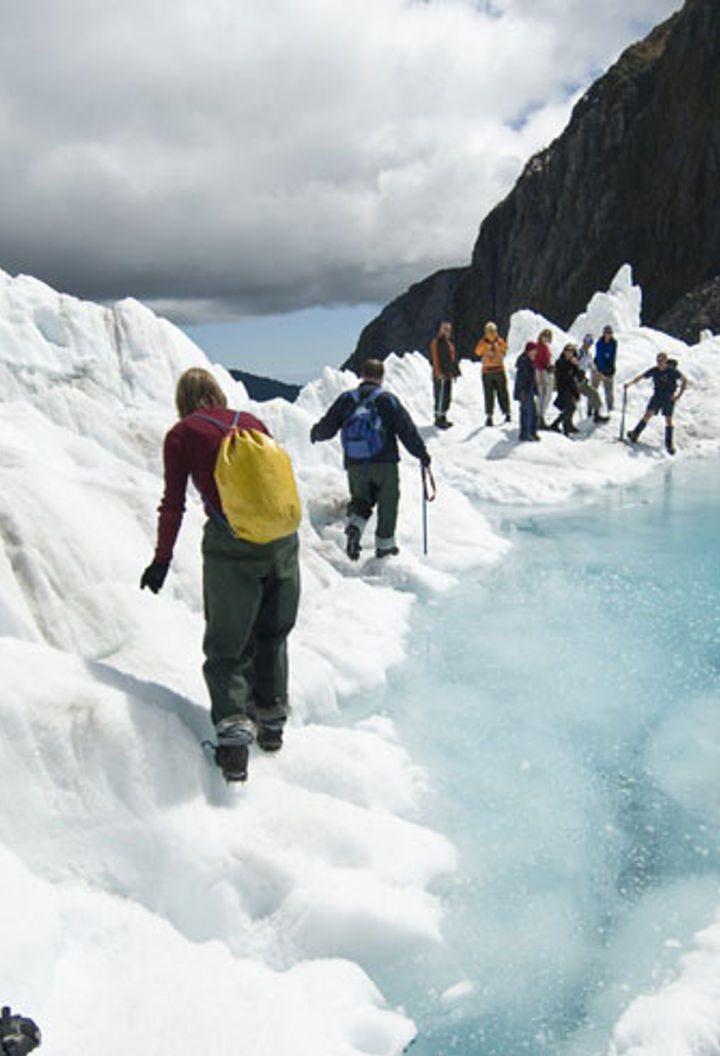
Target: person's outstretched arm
point(332, 421)
point(407, 431)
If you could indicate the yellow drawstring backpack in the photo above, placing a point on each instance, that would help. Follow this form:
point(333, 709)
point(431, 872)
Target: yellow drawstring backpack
point(256, 484)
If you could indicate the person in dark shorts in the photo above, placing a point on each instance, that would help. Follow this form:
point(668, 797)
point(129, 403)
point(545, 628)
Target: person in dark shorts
point(665, 377)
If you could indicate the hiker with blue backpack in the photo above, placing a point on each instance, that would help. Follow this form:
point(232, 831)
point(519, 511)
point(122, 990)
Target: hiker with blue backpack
point(251, 581)
point(370, 421)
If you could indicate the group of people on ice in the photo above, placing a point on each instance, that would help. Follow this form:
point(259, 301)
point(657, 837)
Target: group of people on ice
point(251, 582)
point(579, 372)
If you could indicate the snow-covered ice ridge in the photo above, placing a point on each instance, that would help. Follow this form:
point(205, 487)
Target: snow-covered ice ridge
point(143, 903)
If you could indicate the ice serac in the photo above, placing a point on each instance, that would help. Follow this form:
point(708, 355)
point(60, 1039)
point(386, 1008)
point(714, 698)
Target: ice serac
point(633, 178)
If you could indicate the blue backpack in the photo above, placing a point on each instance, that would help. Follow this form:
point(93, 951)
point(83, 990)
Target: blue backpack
point(363, 434)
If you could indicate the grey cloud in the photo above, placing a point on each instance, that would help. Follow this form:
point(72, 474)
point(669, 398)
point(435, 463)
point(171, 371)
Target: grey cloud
point(222, 157)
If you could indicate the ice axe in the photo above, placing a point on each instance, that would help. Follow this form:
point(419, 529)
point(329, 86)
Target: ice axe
point(429, 494)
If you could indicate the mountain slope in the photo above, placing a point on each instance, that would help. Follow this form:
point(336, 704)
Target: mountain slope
point(632, 178)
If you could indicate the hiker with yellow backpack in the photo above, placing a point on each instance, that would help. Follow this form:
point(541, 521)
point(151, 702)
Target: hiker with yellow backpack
point(251, 581)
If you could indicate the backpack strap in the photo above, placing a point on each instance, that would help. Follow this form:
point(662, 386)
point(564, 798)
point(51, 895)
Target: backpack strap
point(213, 421)
point(217, 515)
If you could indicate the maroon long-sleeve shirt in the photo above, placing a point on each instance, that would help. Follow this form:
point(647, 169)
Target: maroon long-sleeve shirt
point(190, 450)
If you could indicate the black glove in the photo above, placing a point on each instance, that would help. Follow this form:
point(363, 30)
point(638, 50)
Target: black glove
point(18, 1034)
point(313, 435)
point(154, 575)
point(425, 460)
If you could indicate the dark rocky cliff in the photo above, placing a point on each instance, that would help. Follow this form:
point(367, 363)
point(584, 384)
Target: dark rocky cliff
point(409, 322)
point(634, 178)
point(261, 388)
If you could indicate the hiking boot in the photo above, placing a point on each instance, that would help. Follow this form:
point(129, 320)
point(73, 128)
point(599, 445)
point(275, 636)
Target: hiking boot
point(234, 735)
point(442, 423)
point(600, 419)
point(352, 546)
point(508, 418)
point(389, 551)
point(488, 420)
point(269, 737)
point(232, 759)
point(632, 436)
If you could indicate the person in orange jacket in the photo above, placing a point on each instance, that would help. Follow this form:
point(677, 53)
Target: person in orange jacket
point(491, 349)
point(445, 370)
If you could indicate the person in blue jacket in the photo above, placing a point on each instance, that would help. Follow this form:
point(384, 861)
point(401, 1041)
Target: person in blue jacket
point(373, 478)
point(665, 378)
point(605, 357)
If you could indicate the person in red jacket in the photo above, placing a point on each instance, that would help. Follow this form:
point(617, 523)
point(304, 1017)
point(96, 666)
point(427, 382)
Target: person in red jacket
point(250, 590)
point(543, 375)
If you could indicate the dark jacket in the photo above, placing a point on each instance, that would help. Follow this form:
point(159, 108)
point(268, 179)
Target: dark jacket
point(396, 423)
point(443, 358)
point(524, 378)
point(567, 378)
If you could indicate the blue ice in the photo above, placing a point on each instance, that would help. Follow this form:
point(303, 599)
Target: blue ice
point(565, 706)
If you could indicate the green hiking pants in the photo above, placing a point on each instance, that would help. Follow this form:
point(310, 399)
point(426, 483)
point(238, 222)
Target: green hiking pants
point(251, 593)
point(376, 483)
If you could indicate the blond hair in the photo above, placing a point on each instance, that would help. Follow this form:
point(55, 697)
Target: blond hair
point(197, 388)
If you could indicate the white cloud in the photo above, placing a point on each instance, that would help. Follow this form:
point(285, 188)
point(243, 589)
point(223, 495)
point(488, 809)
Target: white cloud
point(266, 157)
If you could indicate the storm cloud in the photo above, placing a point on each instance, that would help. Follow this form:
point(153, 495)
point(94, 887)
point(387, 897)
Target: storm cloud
point(217, 158)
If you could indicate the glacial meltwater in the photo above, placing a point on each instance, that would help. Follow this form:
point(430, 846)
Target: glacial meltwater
point(566, 708)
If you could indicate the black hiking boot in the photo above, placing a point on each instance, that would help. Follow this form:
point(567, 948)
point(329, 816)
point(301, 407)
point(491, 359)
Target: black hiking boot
point(635, 433)
point(600, 419)
point(488, 420)
point(389, 551)
point(231, 752)
point(232, 759)
point(269, 737)
point(352, 546)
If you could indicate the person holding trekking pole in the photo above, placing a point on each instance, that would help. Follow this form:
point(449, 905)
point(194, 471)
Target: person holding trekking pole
point(665, 378)
point(371, 420)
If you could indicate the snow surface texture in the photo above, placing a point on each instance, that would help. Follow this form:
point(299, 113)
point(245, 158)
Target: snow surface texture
point(143, 902)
